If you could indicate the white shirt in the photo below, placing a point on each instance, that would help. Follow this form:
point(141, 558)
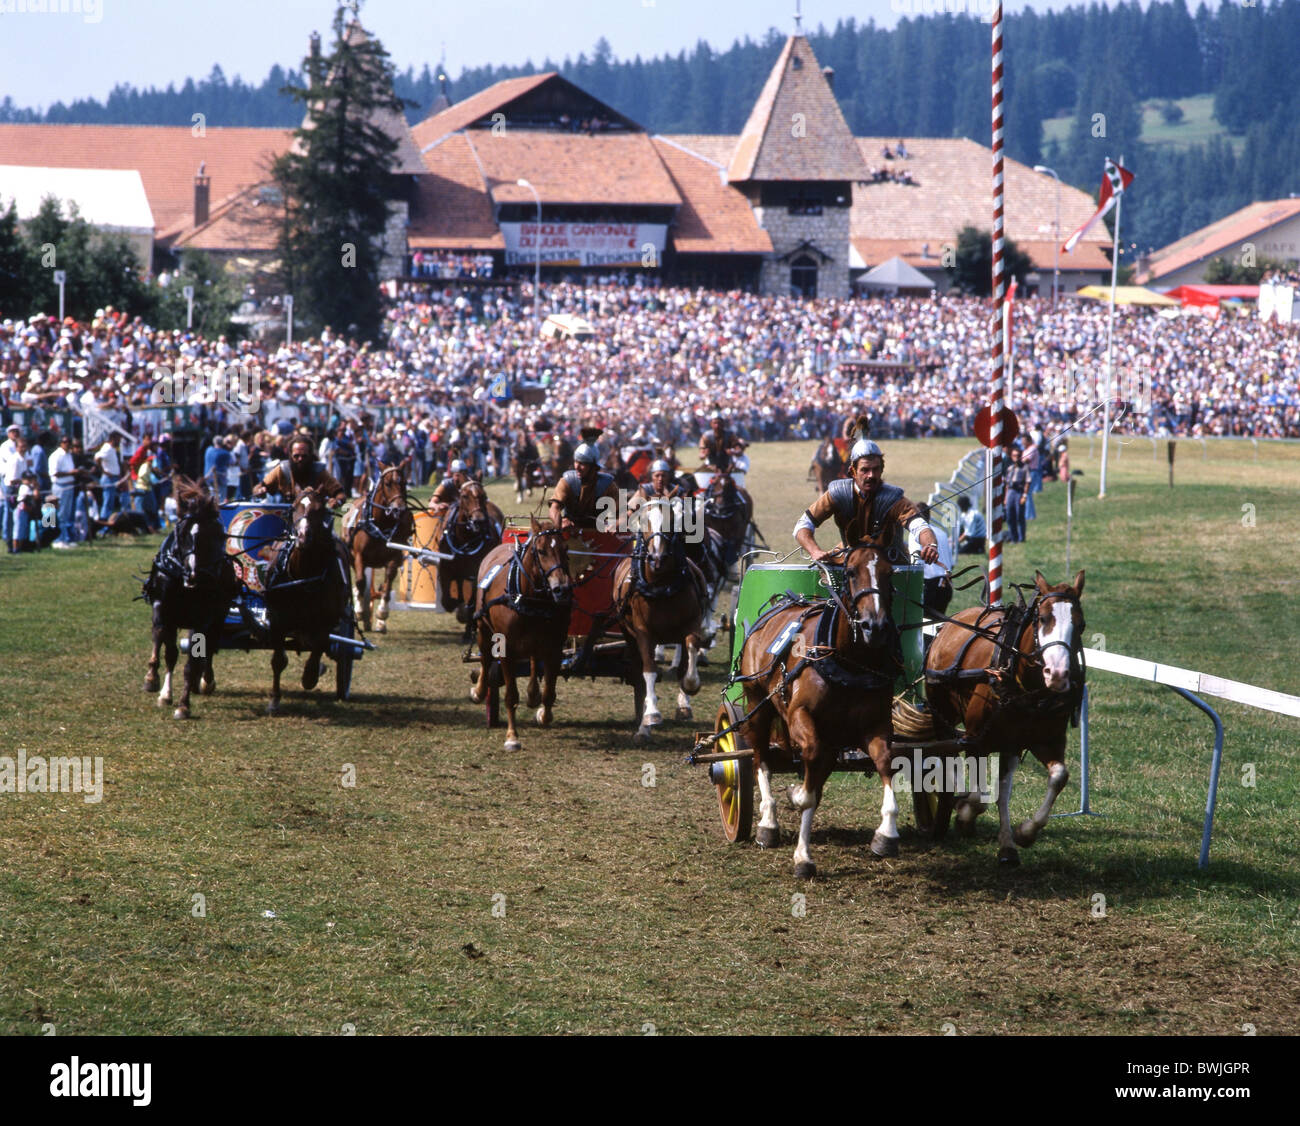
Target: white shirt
point(110, 461)
point(63, 468)
point(972, 524)
point(938, 570)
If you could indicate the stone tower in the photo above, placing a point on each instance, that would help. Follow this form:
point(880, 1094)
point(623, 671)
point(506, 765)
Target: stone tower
point(796, 162)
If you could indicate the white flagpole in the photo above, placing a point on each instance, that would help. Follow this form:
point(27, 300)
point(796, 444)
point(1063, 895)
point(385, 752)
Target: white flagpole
point(1110, 340)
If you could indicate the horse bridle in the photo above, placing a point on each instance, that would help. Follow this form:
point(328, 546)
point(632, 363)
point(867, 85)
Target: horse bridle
point(557, 595)
point(1075, 644)
point(187, 534)
point(393, 512)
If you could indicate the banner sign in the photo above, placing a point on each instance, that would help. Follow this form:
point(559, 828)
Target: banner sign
point(585, 244)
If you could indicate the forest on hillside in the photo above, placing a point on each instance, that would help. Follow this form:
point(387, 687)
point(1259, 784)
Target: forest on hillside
point(927, 77)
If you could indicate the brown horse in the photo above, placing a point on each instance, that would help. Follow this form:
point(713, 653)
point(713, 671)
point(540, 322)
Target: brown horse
point(819, 675)
point(383, 516)
point(190, 586)
point(1014, 686)
point(661, 598)
point(525, 596)
point(471, 528)
point(306, 590)
point(729, 509)
point(827, 465)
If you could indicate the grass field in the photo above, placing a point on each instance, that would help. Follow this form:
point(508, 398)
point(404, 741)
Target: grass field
point(460, 888)
point(1198, 125)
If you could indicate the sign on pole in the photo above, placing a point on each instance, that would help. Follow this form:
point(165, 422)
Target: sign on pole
point(189, 306)
point(288, 319)
point(60, 279)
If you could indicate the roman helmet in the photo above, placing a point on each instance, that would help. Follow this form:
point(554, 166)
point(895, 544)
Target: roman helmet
point(587, 453)
point(864, 446)
point(661, 466)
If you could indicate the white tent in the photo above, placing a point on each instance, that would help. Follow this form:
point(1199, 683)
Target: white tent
point(895, 274)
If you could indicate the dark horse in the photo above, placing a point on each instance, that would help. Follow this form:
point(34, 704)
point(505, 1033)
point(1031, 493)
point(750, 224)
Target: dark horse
point(383, 516)
point(190, 586)
point(472, 527)
point(730, 510)
point(819, 676)
point(306, 590)
point(661, 598)
point(1013, 678)
point(827, 465)
point(525, 597)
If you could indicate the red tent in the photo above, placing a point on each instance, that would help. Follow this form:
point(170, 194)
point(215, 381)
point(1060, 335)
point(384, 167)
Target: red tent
point(1211, 295)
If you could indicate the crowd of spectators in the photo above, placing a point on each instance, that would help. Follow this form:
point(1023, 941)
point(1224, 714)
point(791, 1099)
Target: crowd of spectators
point(467, 370)
point(446, 264)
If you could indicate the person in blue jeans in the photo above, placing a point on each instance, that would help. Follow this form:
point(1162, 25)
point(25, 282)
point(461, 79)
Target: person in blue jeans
point(162, 466)
point(1017, 496)
point(111, 475)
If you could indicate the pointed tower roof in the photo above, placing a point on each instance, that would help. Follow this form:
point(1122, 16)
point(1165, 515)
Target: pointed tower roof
point(778, 144)
point(406, 160)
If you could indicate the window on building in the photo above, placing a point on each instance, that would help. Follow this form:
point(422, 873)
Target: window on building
point(803, 277)
point(805, 203)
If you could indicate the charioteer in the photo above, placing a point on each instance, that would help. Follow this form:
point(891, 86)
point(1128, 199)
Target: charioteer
point(448, 490)
point(577, 496)
point(865, 508)
point(301, 471)
point(662, 485)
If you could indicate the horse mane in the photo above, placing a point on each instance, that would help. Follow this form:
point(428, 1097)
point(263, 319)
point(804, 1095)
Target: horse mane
point(193, 498)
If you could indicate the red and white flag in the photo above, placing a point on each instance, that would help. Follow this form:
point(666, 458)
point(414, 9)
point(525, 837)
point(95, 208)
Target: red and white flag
point(1113, 184)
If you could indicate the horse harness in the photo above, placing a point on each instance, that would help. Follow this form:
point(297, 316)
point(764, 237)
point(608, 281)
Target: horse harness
point(831, 665)
point(278, 578)
point(637, 583)
point(368, 523)
point(1007, 674)
point(546, 605)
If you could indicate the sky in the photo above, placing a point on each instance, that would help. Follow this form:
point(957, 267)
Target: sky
point(83, 48)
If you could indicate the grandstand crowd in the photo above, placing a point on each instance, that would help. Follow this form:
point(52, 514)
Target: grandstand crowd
point(466, 371)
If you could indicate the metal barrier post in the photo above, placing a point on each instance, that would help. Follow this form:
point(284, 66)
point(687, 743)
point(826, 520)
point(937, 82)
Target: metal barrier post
point(1085, 785)
point(1216, 761)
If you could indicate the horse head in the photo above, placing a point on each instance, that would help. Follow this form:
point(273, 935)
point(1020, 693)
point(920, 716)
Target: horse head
point(659, 528)
point(310, 519)
point(546, 560)
point(868, 572)
point(1058, 629)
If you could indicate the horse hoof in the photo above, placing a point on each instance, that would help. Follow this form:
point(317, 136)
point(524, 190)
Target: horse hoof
point(513, 745)
point(684, 713)
point(767, 838)
point(207, 687)
point(181, 713)
point(381, 626)
point(1008, 858)
point(273, 708)
point(703, 658)
point(309, 682)
point(1022, 836)
point(655, 720)
point(543, 719)
point(805, 870)
point(882, 845)
point(151, 682)
point(473, 695)
point(464, 613)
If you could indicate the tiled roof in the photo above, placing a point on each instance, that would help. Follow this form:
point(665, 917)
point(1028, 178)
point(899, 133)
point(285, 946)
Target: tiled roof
point(451, 208)
point(954, 189)
point(242, 222)
point(714, 217)
point(1230, 231)
point(795, 130)
point(613, 168)
point(480, 105)
point(166, 156)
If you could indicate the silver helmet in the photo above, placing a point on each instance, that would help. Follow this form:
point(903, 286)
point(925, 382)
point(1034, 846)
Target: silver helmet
point(864, 447)
point(458, 466)
point(586, 453)
point(661, 466)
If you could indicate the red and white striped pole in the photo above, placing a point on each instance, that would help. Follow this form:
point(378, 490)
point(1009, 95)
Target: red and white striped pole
point(995, 508)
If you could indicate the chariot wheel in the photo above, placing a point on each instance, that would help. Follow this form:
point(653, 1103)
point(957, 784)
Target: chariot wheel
point(733, 778)
point(344, 657)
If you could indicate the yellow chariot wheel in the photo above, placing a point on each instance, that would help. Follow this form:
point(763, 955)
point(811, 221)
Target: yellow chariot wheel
point(733, 778)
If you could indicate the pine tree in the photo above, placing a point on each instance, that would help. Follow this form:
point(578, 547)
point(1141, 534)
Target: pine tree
point(336, 184)
point(17, 267)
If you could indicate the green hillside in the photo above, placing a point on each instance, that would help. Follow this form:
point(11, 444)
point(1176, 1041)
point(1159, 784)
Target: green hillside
point(1198, 125)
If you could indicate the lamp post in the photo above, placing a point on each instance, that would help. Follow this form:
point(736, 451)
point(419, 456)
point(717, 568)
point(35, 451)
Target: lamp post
point(537, 268)
point(1056, 258)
